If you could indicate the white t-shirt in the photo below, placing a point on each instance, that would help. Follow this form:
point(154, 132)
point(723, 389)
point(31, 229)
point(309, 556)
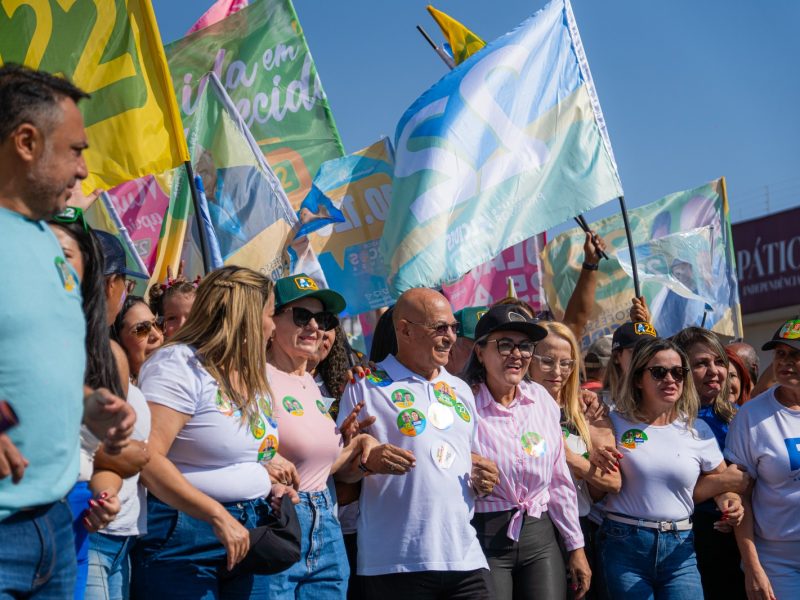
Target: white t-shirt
point(764, 438)
point(575, 443)
point(660, 467)
point(132, 517)
point(419, 521)
point(216, 451)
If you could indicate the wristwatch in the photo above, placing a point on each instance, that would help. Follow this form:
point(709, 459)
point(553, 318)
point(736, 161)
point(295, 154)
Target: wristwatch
point(590, 266)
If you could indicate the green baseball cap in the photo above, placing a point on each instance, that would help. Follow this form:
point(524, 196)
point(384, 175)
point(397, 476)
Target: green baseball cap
point(294, 287)
point(468, 318)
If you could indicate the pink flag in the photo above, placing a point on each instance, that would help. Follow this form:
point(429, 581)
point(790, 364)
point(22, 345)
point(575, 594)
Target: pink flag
point(488, 282)
point(218, 11)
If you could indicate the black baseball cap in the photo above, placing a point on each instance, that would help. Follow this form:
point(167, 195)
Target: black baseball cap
point(507, 317)
point(788, 333)
point(116, 263)
point(627, 334)
point(294, 287)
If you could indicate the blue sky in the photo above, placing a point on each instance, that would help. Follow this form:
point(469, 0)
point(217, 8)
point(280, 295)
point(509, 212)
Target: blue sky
point(691, 89)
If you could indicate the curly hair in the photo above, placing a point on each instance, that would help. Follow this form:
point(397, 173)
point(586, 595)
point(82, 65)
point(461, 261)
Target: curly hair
point(333, 368)
point(160, 292)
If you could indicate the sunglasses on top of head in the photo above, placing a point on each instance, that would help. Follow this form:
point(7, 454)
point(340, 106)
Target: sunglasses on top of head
point(325, 320)
point(659, 373)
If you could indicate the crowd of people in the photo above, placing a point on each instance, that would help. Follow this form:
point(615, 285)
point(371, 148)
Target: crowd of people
point(221, 439)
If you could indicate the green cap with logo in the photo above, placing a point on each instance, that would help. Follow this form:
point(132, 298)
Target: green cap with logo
point(468, 319)
point(294, 287)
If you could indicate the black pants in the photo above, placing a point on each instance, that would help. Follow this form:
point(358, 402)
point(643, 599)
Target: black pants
point(531, 568)
point(718, 559)
point(429, 585)
point(354, 587)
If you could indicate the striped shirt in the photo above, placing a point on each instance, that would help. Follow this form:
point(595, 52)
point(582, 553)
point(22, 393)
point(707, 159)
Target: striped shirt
point(525, 440)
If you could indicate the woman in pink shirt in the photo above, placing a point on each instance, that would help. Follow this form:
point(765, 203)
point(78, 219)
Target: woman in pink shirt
point(311, 447)
point(519, 429)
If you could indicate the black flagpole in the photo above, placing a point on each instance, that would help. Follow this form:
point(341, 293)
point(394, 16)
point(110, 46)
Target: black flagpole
point(629, 235)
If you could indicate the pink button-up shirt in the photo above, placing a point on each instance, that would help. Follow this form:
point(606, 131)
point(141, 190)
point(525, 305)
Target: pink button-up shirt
point(525, 440)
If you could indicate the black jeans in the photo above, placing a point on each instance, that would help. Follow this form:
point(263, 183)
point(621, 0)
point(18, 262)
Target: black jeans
point(718, 558)
point(430, 585)
point(533, 567)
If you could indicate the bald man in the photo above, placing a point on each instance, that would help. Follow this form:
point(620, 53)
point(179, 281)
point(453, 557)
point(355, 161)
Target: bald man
point(415, 539)
point(750, 359)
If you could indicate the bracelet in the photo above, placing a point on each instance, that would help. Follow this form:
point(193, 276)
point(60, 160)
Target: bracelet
point(590, 267)
point(364, 468)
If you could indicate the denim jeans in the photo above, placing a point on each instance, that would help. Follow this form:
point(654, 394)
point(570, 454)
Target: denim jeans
point(180, 557)
point(37, 554)
point(109, 567)
point(322, 572)
point(643, 563)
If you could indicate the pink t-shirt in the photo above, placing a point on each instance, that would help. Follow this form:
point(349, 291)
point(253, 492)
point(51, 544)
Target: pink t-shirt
point(309, 437)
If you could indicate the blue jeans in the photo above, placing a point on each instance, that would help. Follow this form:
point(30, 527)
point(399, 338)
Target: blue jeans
point(37, 554)
point(109, 567)
point(322, 572)
point(180, 557)
point(78, 500)
point(643, 563)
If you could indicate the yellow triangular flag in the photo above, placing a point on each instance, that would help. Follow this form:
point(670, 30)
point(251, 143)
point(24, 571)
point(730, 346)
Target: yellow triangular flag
point(462, 41)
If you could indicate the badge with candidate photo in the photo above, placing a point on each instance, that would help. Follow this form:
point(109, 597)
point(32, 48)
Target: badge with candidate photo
point(292, 406)
point(411, 422)
point(257, 426)
point(533, 444)
point(65, 273)
point(268, 448)
point(440, 416)
point(444, 393)
point(443, 455)
point(402, 398)
point(633, 438)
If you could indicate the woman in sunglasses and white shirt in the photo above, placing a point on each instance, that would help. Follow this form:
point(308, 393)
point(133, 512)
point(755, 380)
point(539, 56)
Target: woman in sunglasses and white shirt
point(138, 331)
point(311, 447)
point(646, 541)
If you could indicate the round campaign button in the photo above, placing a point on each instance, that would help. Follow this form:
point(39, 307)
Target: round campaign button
point(380, 378)
point(533, 444)
point(633, 438)
point(444, 393)
point(402, 398)
point(411, 422)
point(440, 416)
point(268, 448)
point(462, 412)
point(292, 406)
point(223, 404)
point(265, 405)
point(443, 455)
point(257, 426)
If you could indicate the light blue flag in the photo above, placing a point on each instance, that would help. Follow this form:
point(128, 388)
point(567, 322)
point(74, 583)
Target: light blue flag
point(213, 253)
point(509, 143)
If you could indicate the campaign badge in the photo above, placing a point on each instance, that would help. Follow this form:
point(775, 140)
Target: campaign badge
point(305, 284)
point(292, 406)
point(633, 438)
point(265, 406)
point(533, 444)
point(462, 412)
point(257, 426)
point(379, 378)
point(440, 416)
point(323, 409)
point(402, 398)
point(443, 455)
point(444, 393)
point(644, 328)
point(65, 273)
point(790, 330)
point(223, 404)
point(411, 422)
point(268, 448)
point(565, 432)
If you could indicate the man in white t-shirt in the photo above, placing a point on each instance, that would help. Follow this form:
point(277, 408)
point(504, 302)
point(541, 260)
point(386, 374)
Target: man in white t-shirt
point(415, 539)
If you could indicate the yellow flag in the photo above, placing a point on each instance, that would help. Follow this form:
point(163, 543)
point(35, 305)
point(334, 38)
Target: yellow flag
point(462, 41)
point(112, 50)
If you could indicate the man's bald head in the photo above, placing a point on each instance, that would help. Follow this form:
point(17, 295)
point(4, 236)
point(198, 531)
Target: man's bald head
point(420, 316)
point(749, 357)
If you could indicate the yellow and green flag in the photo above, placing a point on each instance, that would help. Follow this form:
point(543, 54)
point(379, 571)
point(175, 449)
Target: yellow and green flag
point(112, 50)
point(463, 43)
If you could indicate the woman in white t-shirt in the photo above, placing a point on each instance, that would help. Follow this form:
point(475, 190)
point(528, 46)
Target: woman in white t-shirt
point(764, 438)
point(646, 541)
point(212, 427)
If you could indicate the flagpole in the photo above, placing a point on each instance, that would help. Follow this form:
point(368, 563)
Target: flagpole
point(201, 235)
point(629, 235)
point(441, 53)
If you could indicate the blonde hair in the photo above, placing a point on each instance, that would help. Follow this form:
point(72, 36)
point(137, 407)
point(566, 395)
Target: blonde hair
point(692, 336)
point(224, 326)
point(569, 396)
point(629, 401)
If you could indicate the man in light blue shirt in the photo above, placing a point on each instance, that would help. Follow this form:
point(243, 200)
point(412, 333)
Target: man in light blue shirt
point(415, 539)
point(42, 330)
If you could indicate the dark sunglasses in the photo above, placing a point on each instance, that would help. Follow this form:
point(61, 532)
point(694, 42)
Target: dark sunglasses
point(72, 214)
point(142, 329)
point(438, 328)
point(505, 347)
point(325, 320)
point(659, 373)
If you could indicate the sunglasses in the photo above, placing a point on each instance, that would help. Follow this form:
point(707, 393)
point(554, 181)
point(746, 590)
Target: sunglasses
point(438, 328)
point(72, 214)
point(142, 329)
point(325, 320)
point(548, 363)
point(659, 373)
point(505, 347)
